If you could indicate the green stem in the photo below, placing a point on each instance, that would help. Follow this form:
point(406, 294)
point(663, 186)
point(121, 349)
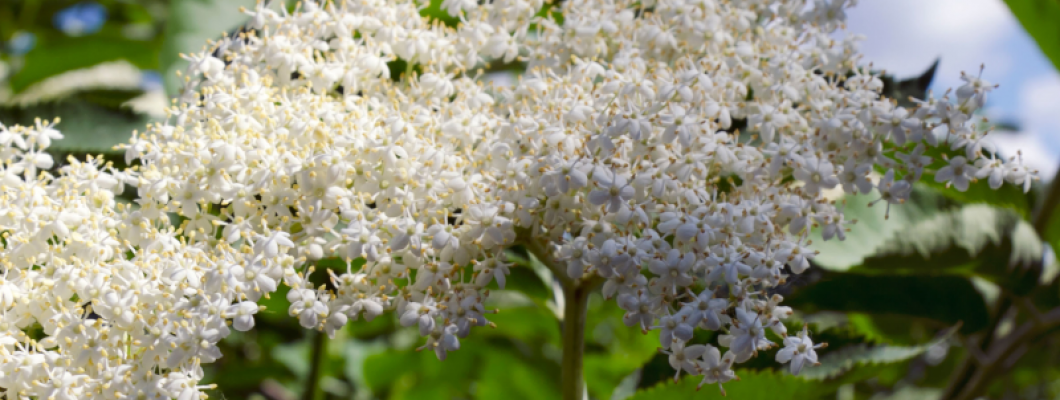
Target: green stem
point(28, 13)
point(576, 301)
point(312, 381)
point(575, 305)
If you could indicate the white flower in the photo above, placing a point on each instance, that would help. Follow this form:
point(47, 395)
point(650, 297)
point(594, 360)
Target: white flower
point(564, 179)
point(676, 327)
point(294, 148)
point(684, 358)
point(639, 309)
point(305, 305)
point(612, 190)
point(673, 271)
point(817, 174)
point(242, 315)
point(747, 336)
point(799, 350)
point(767, 121)
point(992, 169)
point(716, 368)
point(442, 341)
point(958, 173)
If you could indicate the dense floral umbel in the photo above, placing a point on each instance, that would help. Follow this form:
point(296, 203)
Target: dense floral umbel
point(615, 157)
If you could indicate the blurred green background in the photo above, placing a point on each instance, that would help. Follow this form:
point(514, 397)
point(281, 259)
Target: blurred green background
point(900, 302)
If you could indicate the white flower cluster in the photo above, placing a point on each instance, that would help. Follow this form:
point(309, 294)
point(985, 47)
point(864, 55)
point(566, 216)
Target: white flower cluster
point(615, 157)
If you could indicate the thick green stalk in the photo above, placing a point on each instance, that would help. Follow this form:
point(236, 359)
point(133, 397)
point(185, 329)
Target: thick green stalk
point(316, 363)
point(576, 301)
point(575, 304)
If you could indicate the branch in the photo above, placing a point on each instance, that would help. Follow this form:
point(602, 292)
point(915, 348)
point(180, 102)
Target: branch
point(1000, 352)
point(543, 254)
point(972, 375)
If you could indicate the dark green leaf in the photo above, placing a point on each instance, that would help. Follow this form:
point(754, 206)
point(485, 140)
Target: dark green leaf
point(276, 306)
point(837, 362)
point(383, 369)
point(83, 52)
point(385, 324)
point(294, 356)
point(915, 87)
point(191, 24)
point(527, 277)
point(753, 385)
point(506, 376)
point(976, 239)
point(524, 280)
point(86, 127)
point(532, 325)
point(946, 299)
point(1007, 196)
point(619, 349)
point(873, 228)
point(110, 98)
point(435, 12)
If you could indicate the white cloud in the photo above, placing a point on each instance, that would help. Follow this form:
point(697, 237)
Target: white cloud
point(905, 36)
point(1035, 152)
point(1039, 122)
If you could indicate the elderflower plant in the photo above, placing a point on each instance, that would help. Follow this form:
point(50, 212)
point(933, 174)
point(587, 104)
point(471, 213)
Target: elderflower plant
point(615, 159)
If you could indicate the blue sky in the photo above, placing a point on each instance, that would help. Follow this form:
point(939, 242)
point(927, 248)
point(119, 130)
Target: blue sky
point(905, 36)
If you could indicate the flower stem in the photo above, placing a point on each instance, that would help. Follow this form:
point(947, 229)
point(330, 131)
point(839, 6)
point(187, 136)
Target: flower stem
point(576, 300)
point(575, 304)
point(316, 363)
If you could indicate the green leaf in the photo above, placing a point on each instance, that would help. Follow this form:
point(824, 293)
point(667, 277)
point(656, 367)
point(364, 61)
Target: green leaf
point(528, 276)
point(932, 234)
point(946, 299)
point(915, 87)
point(753, 385)
point(533, 325)
point(86, 127)
point(615, 350)
point(1052, 237)
point(873, 228)
point(911, 393)
point(977, 239)
point(110, 98)
point(383, 369)
point(82, 52)
point(434, 12)
point(524, 280)
point(276, 306)
point(1039, 18)
point(1008, 196)
point(837, 362)
point(294, 356)
point(385, 324)
point(191, 24)
point(506, 376)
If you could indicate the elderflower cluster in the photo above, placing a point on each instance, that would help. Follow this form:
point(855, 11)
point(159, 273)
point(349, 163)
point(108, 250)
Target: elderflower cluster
point(675, 150)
